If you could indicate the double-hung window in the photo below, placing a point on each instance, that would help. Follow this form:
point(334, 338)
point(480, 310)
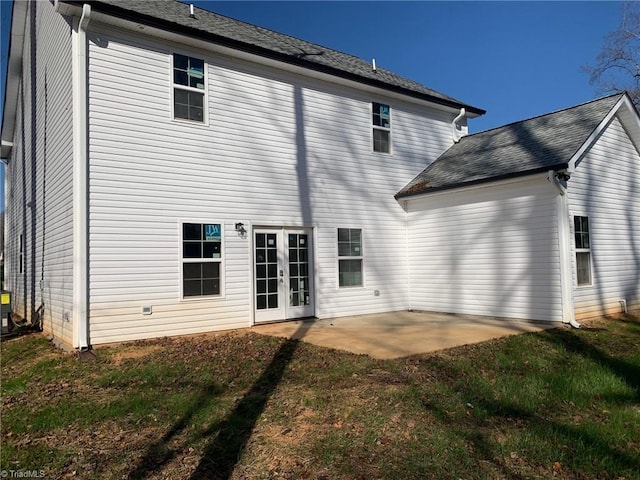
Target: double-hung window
point(201, 259)
point(583, 250)
point(381, 127)
point(188, 88)
point(349, 257)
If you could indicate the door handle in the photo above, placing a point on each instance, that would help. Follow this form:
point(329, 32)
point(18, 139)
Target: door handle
point(282, 273)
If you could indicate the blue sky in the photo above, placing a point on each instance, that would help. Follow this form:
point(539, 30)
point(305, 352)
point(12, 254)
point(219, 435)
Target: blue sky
point(514, 59)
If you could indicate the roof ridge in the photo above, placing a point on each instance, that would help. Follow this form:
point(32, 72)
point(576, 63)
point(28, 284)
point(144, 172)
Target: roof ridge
point(265, 29)
point(546, 114)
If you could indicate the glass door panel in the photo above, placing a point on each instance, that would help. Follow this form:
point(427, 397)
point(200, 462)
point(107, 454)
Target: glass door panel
point(283, 274)
point(266, 271)
point(268, 275)
point(298, 270)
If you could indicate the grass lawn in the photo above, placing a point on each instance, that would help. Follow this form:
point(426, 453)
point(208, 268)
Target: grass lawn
point(557, 404)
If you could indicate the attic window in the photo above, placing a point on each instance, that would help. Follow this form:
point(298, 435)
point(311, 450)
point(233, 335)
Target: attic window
point(188, 88)
point(381, 128)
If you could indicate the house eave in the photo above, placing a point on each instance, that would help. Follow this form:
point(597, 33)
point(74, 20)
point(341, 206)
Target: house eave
point(263, 52)
point(479, 182)
point(577, 157)
point(13, 76)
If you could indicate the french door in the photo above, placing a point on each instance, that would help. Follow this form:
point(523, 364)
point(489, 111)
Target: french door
point(283, 274)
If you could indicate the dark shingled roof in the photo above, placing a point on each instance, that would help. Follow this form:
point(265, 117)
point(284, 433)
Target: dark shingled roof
point(535, 145)
point(174, 16)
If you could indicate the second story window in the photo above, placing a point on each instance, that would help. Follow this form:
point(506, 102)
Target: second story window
point(381, 128)
point(188, 88)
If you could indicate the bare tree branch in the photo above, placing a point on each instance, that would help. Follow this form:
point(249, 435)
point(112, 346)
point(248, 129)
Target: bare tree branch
point(617, 66)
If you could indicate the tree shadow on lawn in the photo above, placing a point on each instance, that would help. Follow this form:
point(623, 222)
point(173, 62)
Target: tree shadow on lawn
point(627, 372)
point(228, 438)
point(572, 441)
point(159, 454)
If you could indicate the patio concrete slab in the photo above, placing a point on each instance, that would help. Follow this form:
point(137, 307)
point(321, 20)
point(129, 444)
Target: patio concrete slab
point(400, 334)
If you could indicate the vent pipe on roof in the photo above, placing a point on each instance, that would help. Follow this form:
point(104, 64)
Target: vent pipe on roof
point(191, 12)
point(373, 65)
point(456, 130)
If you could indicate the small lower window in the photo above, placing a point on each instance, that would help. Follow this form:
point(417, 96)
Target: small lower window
point(201, 259)
point(350, 257)
point(583, 250)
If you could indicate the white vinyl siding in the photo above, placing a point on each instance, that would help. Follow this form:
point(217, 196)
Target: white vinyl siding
point(39, 176)
point(274, 145)
point(490, 251)
point(606, 188)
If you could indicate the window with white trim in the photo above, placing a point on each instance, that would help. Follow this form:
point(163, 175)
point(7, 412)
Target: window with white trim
point(349, 257)
point(583, 249)
point(188, 88)
point(381, 127)
point(201, 259)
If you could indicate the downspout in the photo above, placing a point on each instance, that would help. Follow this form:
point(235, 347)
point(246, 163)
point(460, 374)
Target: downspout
point(563, 244)
point(454, 126)
point(80, 180)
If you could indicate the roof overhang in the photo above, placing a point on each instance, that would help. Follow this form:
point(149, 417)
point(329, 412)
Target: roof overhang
point(627, 113)
point(483, 183)
point(13, 76)
point(165, 29)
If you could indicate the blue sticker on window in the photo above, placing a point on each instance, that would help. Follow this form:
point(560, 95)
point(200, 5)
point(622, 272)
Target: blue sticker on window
point(212, 232)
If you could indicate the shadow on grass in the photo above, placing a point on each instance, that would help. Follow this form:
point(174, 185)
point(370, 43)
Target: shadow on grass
point(624, 370)
point(572, 441)
point(158, 454)
point(227, 439)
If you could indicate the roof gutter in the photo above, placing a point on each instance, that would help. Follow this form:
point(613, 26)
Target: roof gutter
point(473, 183)
point(80, 177)
point(13, 76)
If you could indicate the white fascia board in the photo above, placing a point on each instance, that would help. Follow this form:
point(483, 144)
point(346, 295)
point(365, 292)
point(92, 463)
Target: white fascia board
point(477, 186)
point(586, 146)
point(14, 75)
point(630, 121)
point(205, 46)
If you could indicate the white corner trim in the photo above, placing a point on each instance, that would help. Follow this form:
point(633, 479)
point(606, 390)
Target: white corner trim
point(564, 251)
point(79, 50)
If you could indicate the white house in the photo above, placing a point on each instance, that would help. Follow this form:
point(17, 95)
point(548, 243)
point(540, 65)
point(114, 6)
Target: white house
point(539, 219)
point(173, 171)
